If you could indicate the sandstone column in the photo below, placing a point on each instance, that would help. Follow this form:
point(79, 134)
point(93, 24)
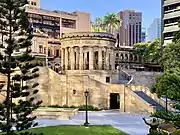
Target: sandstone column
point(77, 58)
point(66, 58)
point(81, 59)
point(100, 58)
point(107, 59)
point(112, 60)
point(72, 58)
point(85, 60)
point(62, 58)
point(91, 64)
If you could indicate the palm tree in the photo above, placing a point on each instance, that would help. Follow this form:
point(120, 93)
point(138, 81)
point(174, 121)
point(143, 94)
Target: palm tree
point(111, 22)
point(97, 25)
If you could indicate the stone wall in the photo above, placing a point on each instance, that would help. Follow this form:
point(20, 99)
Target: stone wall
point(68, 89)
point(143, 78)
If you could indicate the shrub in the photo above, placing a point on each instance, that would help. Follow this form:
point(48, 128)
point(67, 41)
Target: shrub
point(89, 108)
point(176, 132)
point(81, 107)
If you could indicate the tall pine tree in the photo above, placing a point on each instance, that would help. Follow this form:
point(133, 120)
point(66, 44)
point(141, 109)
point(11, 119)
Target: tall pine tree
point(20, 98)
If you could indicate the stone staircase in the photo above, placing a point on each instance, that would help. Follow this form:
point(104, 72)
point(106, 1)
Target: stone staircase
point(122, 80)
point(149, 100)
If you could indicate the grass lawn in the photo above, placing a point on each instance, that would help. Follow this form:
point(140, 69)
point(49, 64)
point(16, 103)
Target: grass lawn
point(78, 130)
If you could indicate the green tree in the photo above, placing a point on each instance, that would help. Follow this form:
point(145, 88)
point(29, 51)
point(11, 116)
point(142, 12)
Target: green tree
point(111, 22)
point(148, 51)
point(168, 84)
point(176, 37)
point(154, 51)
point(20, 99)
point(170, 58)
point(97, 25)
point(141, 49)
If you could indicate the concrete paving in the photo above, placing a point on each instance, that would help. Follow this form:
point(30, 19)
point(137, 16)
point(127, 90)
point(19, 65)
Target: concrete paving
point(129, 123)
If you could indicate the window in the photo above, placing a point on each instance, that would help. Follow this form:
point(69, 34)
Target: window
point(107, 79)
point(40, 49)
point(67, 23)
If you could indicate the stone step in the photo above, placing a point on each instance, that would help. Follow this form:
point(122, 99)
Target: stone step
point(149, 100)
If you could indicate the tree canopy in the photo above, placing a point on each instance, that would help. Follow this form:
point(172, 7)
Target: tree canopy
point(148, 51)
point(170, 58)
point(19, 95)
point(109, 23)
point(168, 84)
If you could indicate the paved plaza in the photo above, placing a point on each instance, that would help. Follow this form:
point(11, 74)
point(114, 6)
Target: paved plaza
point(129, 123)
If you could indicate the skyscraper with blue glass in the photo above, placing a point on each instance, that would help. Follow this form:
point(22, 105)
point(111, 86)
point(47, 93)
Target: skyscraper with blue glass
point(154, 30)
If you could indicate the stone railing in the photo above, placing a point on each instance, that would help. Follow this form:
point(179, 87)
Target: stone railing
point(88, 34)
point(140, 103)
point(152, 96)
point(98, 83)
point(127, 76)
point(55, 113)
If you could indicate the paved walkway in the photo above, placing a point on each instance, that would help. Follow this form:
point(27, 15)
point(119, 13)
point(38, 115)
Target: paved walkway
point(131, 124)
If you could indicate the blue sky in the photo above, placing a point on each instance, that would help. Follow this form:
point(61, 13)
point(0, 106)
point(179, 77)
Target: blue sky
point(149, 8)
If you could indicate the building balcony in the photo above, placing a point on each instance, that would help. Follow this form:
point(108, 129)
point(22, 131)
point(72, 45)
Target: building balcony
point(172, 14)
point(166, 3)
point(171, 28)
point(167, 41)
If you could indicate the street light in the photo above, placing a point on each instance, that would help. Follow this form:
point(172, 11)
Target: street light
point(86, 93)
point(118, 67)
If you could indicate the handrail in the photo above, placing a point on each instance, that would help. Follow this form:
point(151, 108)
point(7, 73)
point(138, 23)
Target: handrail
point(131, 80)
point(127, 76)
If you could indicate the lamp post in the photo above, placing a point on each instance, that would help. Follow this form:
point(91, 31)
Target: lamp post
point(86, 96)
point(118, 68)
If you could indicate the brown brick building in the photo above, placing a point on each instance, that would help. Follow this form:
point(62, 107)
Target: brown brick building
point(54, 24)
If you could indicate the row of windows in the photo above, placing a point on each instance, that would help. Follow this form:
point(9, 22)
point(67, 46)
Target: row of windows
point(168, 35)
point(132, 38)
point(172, 7)
point(172, 20)
point(45, 17)
point(32, 3)
point(67, 23)
point(42, 50)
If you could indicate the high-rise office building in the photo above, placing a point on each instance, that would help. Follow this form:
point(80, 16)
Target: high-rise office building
point(154, 30)
point(170, 18)
point(131, 28)
point(143, 35)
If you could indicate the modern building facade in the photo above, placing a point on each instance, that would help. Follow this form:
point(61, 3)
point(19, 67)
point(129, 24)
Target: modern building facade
point(131, 27)
point(54, 24)
point(154, 30)
point(170, 17)
point(143, 35)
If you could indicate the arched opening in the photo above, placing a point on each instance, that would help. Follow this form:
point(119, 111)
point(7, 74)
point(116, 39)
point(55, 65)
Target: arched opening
point(49, 52)
point(96, 60)
point(131, 57)
point(57, 53)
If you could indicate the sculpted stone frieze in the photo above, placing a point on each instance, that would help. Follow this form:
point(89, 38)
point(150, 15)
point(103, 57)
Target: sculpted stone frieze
point(76, 41)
